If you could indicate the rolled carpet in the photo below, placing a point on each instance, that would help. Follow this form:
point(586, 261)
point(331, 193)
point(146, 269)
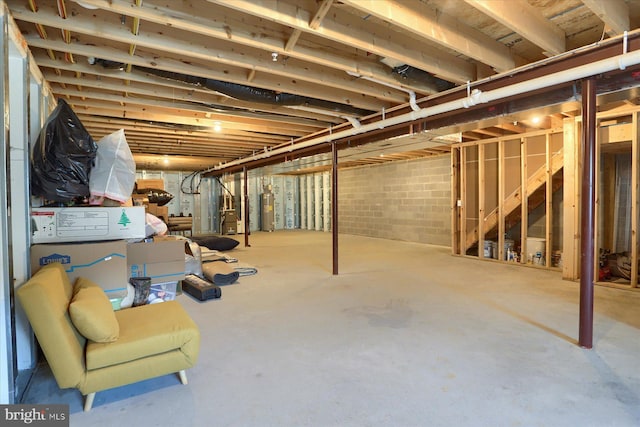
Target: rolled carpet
point(219, 273)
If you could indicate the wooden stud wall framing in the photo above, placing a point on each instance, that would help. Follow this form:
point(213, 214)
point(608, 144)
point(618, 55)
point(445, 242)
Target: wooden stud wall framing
point(615, 129)
point(608, 209)
point(505, 202)
point(456, 240)
point(571, 197)
point(608, 201)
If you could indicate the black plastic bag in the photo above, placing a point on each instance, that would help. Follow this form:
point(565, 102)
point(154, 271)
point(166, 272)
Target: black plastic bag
point(62, 157)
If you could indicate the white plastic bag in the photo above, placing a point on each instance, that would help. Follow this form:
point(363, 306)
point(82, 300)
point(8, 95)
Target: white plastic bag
point(114, 173)
point(154, 226)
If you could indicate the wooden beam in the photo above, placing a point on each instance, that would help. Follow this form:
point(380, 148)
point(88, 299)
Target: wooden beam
point(197, 47)
point(571, 197)
point(322, 11)
point(524, 205)
point(438, 27)
point(292, 40)
point(212, 22)
point(512, 127)
point(456, 236)
point(176, 115)
point(153, 86)
point(463, 198)
point(526, 20)
point(608, 205)
point(391, 45)
point(614, 14)
point(489, 132)
point(194, 68)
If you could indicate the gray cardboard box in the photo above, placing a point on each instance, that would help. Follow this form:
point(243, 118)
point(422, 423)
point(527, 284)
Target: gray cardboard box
point(105, 263)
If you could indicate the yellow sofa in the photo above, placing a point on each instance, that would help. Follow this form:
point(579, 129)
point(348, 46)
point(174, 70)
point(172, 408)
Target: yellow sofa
point(143, 342)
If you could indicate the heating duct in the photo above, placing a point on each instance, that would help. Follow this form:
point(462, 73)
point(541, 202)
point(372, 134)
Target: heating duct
point(474, 97)
point(415, 76)
point(242, 92)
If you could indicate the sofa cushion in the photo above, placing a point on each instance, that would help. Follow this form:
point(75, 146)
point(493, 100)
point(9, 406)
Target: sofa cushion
point(92, 313)
point(145, 331)
point(216, 243)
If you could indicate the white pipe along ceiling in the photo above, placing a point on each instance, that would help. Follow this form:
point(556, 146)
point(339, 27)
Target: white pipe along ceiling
point(475, 97)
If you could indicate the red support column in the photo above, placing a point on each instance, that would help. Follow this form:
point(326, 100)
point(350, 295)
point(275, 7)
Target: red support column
point(334, 205)
point(246, 209)
point(587, 225)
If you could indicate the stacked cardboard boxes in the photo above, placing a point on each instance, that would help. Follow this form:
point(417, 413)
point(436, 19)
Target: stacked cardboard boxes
point(105, 245)
point(161, 212)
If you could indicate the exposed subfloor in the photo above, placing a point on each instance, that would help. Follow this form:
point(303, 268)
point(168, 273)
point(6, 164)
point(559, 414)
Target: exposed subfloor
point(405, 335)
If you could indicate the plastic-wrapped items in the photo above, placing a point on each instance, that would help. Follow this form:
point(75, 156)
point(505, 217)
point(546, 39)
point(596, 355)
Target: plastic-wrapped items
point(114, 173)
point(62, 157)
point(154, 226)
point(159, 197)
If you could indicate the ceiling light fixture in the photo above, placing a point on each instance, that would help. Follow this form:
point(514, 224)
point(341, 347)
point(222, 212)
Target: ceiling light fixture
point(217, 127)
point(274, 56)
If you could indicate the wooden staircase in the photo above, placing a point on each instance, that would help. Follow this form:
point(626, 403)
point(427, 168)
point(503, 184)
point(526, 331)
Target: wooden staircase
point(512, 212)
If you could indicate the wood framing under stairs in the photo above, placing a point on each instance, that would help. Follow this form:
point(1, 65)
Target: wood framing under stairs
point(513, 201)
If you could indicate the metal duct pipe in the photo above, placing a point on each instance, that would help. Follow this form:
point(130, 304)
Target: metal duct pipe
point(476, 97)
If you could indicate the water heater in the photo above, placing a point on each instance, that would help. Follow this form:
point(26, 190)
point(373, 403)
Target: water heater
point(267, 216)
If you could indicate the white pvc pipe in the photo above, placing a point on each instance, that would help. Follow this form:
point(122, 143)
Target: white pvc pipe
point(476, 97)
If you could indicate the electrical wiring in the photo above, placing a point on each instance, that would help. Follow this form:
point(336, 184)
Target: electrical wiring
point(192, 177)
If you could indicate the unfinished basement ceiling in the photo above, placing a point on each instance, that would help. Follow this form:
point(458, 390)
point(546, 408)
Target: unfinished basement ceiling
point(200, 83)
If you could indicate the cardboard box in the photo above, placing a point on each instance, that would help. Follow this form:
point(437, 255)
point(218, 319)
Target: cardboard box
point(56, 225)
point(163, 261)
point(161, 212)
point(105, 263)
point(156, 184)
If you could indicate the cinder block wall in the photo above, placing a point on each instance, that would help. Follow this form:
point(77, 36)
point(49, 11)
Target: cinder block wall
point(405, 200)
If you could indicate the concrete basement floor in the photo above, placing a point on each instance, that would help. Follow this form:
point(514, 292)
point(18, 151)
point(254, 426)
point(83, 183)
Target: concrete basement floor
point(405, 335)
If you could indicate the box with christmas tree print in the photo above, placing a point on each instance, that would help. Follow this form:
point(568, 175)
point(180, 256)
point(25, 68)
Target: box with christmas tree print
point(82, 224)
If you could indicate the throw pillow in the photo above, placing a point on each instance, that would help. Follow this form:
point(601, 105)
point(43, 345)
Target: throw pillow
point(92, 313)
point(216, 243)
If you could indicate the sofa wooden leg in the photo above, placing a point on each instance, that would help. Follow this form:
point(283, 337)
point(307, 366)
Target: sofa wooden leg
point(183, 377)
point(88, 402)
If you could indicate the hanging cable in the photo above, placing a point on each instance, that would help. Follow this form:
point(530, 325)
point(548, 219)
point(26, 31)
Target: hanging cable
point(191, 190)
